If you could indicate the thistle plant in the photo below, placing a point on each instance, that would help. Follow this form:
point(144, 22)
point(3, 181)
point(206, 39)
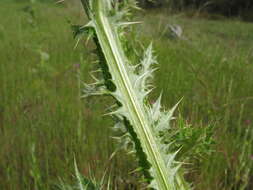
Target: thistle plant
point(143, 126)
point(84, 183)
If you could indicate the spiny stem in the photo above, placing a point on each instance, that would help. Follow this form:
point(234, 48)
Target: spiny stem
point(111, 47)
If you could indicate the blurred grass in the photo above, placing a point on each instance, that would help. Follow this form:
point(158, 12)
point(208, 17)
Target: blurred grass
point(44, 124)
point(40, 106)
point(212, 69)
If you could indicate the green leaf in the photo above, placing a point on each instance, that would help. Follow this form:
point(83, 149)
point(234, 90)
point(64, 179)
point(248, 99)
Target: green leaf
point(141, 121)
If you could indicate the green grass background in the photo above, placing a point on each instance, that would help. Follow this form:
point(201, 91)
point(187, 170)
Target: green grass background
point(44, 124)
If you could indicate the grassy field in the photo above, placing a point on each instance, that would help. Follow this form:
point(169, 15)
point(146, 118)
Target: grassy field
point(44, 124)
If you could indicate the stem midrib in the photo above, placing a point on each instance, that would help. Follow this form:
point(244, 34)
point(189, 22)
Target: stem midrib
point(127, 87)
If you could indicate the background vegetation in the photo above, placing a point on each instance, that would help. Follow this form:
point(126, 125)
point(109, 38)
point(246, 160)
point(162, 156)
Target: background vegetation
point(229, 8)
point(44, 124)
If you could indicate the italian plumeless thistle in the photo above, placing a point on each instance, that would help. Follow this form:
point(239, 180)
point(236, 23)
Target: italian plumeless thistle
point(142, 125)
